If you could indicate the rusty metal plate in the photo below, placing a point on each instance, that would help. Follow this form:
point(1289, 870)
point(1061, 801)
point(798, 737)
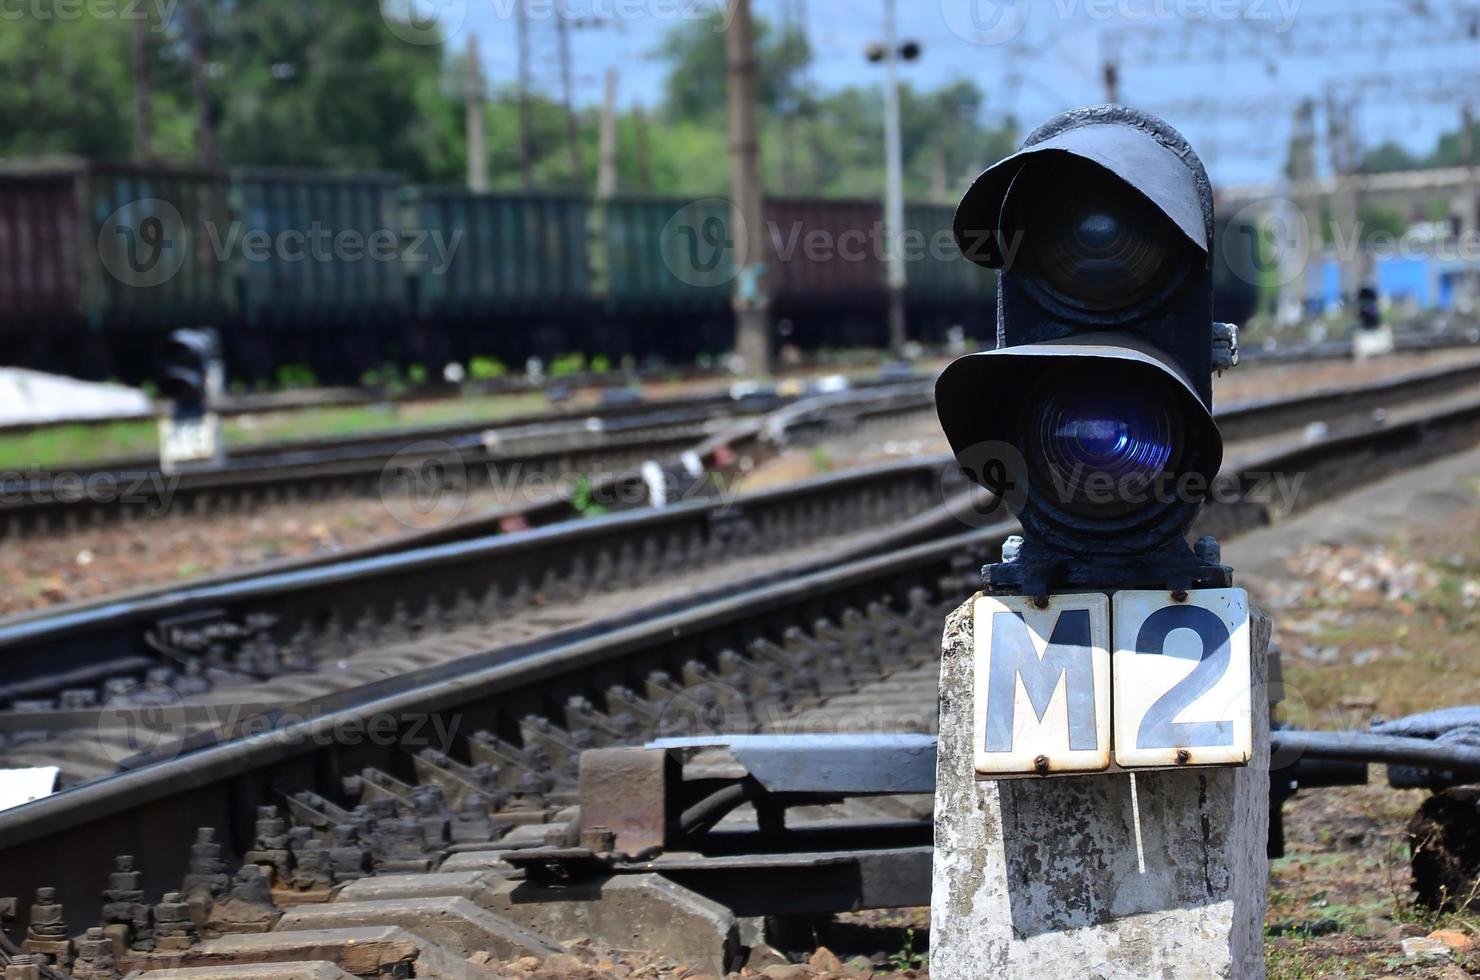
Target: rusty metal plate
point(1182, 687)
point(1042, 699)
point(624, 791)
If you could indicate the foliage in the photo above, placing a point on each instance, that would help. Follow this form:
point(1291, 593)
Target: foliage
point(1448, 151)
point(295, 376)
point(486, 368)
point(329, 85)
point(565, 365)
point(830, 144)
point(1379, 219)
point(62, 78)
point(331, 69)
point(582, 499)
point(1385, 157)
point(906, 958)
point(695, 53)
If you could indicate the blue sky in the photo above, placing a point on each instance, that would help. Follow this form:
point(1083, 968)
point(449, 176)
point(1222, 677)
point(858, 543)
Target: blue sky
point(1244, 64)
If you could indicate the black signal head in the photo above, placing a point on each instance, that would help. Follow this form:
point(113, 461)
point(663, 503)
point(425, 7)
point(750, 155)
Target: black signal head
point(1093, 414)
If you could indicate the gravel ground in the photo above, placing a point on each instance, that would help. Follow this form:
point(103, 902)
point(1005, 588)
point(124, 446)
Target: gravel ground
point(1279, 380)
point(1376, 608)
point(1371, 628)
point(822, 965)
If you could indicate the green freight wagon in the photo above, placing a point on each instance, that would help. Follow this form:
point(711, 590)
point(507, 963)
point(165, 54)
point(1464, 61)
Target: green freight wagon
point(315, 250)
point(511, 255)
point(662, 256)
point(157, 230)
point(936, 273)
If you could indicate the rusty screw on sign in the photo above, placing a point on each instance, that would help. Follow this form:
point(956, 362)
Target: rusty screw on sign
point(1183, 757)
point(1040, 764)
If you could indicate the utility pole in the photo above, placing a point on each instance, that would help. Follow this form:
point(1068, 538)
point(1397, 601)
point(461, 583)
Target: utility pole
point(1301, 171)
point(526, 150)
point(893, 186)
point(606, 175)
point(143, 148)
point(1346, 229)
point(747, 226)
point(1471, 215)
point(788, 114)
point(644, 167)
point(1110, 75)
point(567, 86)
point(814, 137)
point(477, 150)
point(205, 133)
point(1110, 68)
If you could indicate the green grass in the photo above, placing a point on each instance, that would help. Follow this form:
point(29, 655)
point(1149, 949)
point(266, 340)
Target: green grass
point(61, 445)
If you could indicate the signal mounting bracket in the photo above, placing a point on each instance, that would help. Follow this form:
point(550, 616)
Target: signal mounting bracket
point(1037, 571)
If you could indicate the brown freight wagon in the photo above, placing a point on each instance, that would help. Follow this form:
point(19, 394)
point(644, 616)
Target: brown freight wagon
point(98, 261)
point(825, 252)
point(825, 270)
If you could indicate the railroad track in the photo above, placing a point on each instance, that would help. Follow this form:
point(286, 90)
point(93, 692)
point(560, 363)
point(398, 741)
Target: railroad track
point(811, 609)
point(273, 633)
point(513, 456)
point(520, 458)
point(237, 406)
point(480, 756)
point(504, 454)
point(241, 629)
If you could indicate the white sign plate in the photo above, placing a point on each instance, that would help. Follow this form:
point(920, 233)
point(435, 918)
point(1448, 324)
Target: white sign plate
point(188, 440)
point(1042, 685)
point(19, 786)
point(1182, 681)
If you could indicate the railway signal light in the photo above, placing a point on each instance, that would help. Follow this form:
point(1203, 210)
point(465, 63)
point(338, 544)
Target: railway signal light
point(192, 379)
point(1092, 417)
point(192, 370)
point(1369, 313)
point(1373, 338)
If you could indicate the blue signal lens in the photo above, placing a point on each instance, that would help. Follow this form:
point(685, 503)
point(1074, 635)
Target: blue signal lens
point(1098, 445)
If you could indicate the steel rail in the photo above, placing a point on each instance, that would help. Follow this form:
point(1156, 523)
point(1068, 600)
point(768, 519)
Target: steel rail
point(202, 781)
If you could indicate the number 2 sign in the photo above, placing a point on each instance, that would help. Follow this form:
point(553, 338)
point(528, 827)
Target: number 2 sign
point(1181, 676)
point(1050, 697)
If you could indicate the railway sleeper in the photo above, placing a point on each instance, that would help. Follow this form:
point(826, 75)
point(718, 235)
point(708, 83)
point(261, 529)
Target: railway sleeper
point(442, 812)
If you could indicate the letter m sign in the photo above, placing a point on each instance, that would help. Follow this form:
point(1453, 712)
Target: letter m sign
point(1042, 693)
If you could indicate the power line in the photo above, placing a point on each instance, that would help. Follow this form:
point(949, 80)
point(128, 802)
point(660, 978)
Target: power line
point(1306, 35)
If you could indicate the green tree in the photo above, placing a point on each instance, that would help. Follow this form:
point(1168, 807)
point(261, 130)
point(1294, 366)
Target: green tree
point(1385, 158)
point(695, 54)
point(834, 141)
point(62, 79)
point(1449, 150)
point(325, 84)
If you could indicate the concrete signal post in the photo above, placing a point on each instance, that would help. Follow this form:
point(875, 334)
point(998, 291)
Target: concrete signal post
point(1102, 789)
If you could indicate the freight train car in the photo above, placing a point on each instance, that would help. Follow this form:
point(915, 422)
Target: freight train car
point(943, 289)
point(493, 274)
point(316, 261)
point(826, 271)
point(99, 261)
point(662, 272)
point(344, 272)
